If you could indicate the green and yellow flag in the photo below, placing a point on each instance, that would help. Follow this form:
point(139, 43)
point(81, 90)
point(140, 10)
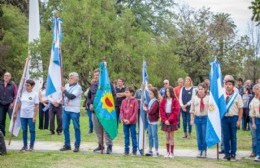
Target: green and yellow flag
point(104, 104)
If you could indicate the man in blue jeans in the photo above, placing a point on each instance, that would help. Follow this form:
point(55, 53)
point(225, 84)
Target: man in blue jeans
point(71, 111)
point(231, 121)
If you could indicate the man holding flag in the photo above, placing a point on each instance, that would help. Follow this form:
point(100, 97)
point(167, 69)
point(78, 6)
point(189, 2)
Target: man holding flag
point(101, 99)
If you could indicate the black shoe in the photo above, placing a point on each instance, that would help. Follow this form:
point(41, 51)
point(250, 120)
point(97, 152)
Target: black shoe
point(134, 153)
point(109, 149)
point(59, 133)
point(65, 148)
point(150, 153)
point(52, 133)
point(24, 149)
point(99, 148)
point(90, 131)
point(31, 148)
point(233, 157)
point(226, 157)
point(76, 149)
point(126, 152)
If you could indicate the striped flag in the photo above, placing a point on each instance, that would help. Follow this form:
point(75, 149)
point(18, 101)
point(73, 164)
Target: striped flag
point(54, 72)
point(142, 117)
point(217, 106)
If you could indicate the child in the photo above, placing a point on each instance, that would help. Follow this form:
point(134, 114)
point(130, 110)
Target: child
point(255, 116)
point(153, 117)
point(128, 114)
point(199, 112)
point(169, 111)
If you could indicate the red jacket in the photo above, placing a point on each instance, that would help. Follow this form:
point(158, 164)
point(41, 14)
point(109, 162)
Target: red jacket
point(173, 117)
point(153, 112)
point(129, 110)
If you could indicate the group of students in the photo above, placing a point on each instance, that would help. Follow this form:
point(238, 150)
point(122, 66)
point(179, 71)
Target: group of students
point(163, 108)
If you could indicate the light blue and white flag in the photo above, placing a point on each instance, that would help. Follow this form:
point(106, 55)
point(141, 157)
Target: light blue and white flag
point(217, 106)
point(142, 117)
point(54, 72)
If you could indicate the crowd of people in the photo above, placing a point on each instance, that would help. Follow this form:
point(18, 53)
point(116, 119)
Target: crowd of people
point(164, 107)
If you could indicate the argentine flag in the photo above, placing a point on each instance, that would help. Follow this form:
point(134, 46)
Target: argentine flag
point(54, 72)
point(142, 117)
point(217, 106)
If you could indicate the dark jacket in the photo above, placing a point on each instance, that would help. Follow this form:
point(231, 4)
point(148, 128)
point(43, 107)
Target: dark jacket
point(8, 93)
point(153, 112)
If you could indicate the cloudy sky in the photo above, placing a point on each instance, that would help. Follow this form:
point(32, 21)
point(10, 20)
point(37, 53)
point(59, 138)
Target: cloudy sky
point(237, 8)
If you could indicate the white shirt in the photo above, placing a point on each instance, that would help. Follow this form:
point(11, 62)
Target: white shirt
point(43, 94)
point(56, 96)
point(168, 108)
point(74, 104)
point(28, 102)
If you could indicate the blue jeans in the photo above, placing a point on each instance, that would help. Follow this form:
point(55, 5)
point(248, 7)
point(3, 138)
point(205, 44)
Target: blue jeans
point(153, 135)
point(201, 126)
point(131, 128)
point(186, 121)
point(257, 133)
point(90, 122)
point(66, 117)
point(253, 134)
point(230, 135)
point(25, 122)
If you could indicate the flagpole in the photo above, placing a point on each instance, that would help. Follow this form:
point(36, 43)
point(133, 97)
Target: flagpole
point(218, 151)
point(143, 133)
point(20, 94)
point(102, 132)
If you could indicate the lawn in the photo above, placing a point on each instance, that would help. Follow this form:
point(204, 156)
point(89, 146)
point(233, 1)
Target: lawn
point(15, 159)
point(244, 137)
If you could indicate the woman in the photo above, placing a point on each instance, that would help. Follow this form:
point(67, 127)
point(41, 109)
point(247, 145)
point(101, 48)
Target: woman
point(169, 111)
point(185, 101)
point(43, 111)
point(28, 105)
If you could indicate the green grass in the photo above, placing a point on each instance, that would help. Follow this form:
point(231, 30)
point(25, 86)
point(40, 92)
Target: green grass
point(244, 137)
point(69, 160)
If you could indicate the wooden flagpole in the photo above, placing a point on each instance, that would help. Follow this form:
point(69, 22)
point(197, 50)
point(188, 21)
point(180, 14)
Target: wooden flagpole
point(218, 151)
point(22, 81)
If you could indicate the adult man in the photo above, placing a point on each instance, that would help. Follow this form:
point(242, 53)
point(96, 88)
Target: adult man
point(72, 92)
point(166, 84)
point(240, 86)
point(120, 96)
point(97, 126)
point(8, 92)
point(55, 110)
point(231, 121)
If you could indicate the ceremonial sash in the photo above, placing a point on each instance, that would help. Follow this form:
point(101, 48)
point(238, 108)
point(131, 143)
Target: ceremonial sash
point(231, 101)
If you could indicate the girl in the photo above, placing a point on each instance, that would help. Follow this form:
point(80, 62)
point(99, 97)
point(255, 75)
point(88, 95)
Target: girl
point(185, 101)
point(29, 105)
point(153, 117)
point(43, 115)
point(128, 114)
point(169, 111)
point(199, 112)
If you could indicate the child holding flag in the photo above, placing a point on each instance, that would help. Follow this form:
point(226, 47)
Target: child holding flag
point(128, 114)
point(153, 117)
point(199, 113)
point(169, 111)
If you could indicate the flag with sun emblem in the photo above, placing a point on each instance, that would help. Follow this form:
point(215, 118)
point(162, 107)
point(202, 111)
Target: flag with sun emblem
point(104, 105)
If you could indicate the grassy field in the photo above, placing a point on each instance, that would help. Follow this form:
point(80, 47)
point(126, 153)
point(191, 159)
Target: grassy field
point(244, 137)
point(70, 160)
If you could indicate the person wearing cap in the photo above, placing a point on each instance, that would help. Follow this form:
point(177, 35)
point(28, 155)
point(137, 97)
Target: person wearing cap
point(231, 121)
point(71, 111)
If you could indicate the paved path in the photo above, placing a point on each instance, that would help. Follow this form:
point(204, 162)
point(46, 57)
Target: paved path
point(88, 147)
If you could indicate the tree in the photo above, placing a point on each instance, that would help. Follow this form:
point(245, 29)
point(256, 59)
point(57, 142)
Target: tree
point(256, 11)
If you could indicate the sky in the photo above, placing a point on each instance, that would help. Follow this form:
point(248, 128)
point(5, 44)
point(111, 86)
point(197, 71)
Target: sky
point(237, 8)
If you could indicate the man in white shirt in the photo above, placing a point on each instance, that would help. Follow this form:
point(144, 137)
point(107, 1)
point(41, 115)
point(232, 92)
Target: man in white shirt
point(71, 111)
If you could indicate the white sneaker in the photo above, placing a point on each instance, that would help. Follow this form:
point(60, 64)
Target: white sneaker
point(257, 159)
point(167, 155)
point(204, 154)
point(171, 156)
point(155, 154)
